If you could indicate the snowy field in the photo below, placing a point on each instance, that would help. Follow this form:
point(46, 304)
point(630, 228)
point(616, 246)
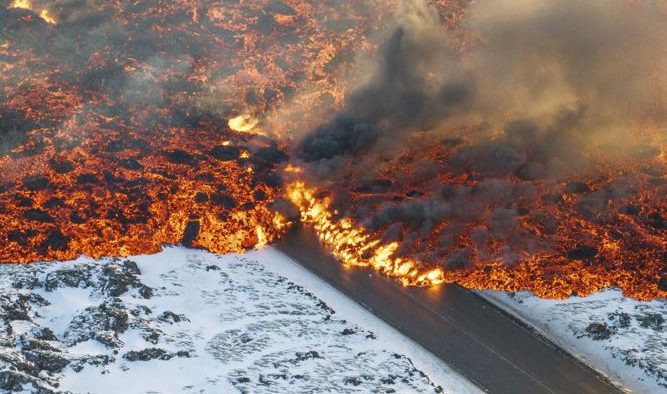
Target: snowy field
point(190, 321)
point(624, 338)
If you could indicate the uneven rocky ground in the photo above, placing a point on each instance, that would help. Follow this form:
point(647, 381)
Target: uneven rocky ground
point(183, 321)
point(625, 338)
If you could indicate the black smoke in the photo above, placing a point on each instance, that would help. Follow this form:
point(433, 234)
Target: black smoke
point(400, 97)
point(530, 100)
point(557, 86)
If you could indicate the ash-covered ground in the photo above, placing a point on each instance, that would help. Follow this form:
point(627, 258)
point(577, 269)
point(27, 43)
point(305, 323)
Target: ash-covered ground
point(624, 338)
point(190, 321)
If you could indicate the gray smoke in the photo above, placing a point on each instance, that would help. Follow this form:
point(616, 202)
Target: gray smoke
point(399, 98)
point(519, 91)
point(557, 85)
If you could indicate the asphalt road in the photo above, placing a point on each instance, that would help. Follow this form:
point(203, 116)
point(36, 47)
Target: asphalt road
point(481, 342)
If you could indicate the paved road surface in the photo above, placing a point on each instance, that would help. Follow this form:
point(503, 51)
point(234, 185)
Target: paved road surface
point(481, 342)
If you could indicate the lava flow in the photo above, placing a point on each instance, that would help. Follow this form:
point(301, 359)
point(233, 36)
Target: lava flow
point(125, 127)
point(434, 141)
point(353, 246)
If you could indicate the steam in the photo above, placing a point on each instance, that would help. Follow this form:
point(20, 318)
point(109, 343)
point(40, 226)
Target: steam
point(555, 87)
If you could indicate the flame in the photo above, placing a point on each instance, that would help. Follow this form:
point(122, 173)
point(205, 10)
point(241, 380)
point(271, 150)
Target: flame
point(292, 169)
point(23, 4)
point(546, 274)
point(353, 246)
point(48, 18)
point(27, 5)
point(243, 123)
point(262, 240)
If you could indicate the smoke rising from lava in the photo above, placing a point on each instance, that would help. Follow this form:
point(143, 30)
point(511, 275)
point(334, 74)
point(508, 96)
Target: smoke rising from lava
point(498, 144)
point(556, 86)
point(527, 139)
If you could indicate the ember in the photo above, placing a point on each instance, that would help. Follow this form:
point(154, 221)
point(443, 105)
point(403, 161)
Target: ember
point(439, 142)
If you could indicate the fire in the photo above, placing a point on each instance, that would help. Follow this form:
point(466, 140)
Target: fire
point(262, 240)
point(243, 123)
point(27, 5)
point(546, 273)
point(48, 18)
point(23, 4)
point(353, 246)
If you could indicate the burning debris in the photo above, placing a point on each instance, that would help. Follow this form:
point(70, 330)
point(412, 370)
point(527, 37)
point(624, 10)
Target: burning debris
point(520, 149)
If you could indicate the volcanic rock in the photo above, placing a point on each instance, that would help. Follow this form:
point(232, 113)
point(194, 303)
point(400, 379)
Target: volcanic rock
point(61, 165)
point(599, 331)
point(577, 188)
point(171, 317)
point(131, 164)
point(21, 236)
point(67, 278)
point(47, 360)
point(190, 234)
point(87, 178)
point(653, 321)
point(56, 240)
point(38, 215)
point(582, 252)
point(147, 354)
point(225, 153)
point(278, 7)
point(662, 283)
point(658, 220)
point(180, 157)
point(375, 186)
point(36, 183)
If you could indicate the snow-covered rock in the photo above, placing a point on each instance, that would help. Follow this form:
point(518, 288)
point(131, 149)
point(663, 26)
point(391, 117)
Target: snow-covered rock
point(190, 321)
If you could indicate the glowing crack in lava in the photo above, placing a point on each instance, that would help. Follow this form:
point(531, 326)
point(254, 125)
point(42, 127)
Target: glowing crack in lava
point(125, 127)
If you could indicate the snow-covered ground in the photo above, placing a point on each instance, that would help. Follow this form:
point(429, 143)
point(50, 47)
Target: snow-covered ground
point(190, 321)
point(624, 338)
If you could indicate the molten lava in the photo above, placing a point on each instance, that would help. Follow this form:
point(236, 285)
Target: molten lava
point(120, 133)
point(352, 245)
point(116, 126)
point(243, 123)
point(557, 241)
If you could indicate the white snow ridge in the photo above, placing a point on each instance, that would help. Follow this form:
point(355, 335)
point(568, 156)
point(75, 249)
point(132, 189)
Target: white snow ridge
point(190, 321)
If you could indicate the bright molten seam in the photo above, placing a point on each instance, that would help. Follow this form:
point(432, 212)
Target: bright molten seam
point(353, 246)
point(24, 4)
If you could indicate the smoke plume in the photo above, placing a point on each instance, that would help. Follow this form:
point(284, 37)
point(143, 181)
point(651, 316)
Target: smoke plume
point(555, 86)
point(528, 130)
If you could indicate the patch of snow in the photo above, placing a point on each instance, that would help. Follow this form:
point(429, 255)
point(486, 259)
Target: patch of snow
point(393, 340)
point(190, 321)
point(624, 338)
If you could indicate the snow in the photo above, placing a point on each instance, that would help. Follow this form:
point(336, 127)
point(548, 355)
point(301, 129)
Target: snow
point(394, 341)
point(631, 346)
point(256, 323)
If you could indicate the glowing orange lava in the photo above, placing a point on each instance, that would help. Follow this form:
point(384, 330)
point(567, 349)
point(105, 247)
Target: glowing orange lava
point(129, 129)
